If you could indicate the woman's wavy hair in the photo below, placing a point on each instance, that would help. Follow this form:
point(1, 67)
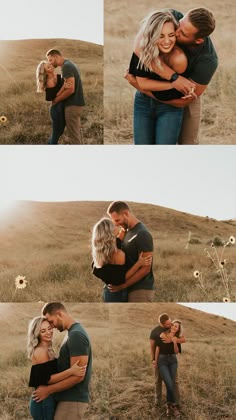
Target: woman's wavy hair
point(103, 242)
point(180, 332)
point(150, 30)
point(33, 334)
point(41, 77)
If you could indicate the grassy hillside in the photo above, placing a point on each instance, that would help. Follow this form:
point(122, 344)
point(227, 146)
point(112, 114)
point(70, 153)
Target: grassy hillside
point(122, 384)
point(122, 20)
point(49, 243)
point(26, 110)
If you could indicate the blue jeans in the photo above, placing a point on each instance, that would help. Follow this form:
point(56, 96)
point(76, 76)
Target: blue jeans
point(43, 410)
point(155, 122)
point(57, 115)
point(110, 297)
point(167, 364)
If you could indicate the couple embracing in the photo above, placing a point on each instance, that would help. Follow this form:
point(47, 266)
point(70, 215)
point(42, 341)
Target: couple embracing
point(122, 250)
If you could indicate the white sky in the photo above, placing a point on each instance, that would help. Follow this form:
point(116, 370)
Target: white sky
point(227, 310)
point(197, 180)
point(73, 19)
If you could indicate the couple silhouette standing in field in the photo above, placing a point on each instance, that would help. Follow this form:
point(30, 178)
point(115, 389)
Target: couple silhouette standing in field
point(65, 91)
point(172, 63)
point(165, 344)
point(61, 385)
point(122, 251)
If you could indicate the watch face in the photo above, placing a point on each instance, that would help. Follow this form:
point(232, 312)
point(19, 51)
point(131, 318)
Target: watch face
point(174, 77)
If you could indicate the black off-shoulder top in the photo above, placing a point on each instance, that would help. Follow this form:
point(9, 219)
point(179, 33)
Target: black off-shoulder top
point(40, 373)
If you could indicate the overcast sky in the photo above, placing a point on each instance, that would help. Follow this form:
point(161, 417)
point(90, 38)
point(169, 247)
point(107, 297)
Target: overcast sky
point(75, 19)
point(227, 310)
point(194, 179)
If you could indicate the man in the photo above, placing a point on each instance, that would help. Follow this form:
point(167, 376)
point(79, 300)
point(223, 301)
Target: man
point(193, 37)
point(164, 324)
point(71, 94)
point(137, 240)
point(71, 394)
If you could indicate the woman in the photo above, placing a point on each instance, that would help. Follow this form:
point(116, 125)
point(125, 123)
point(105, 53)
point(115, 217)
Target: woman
point(109, 262)
point(51, 83)
point(156, 122)
point(166, 360)
point(44, 366)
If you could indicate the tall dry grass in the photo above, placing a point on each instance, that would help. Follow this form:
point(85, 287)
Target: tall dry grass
point(122, 21)
point(206, 366)
point(50, 244)
point(27, 112)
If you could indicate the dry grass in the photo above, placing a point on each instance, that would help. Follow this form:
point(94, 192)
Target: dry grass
point(122, 384)
point(206, 366)
point(121, 25)
point(27, 111)
point(49, 243)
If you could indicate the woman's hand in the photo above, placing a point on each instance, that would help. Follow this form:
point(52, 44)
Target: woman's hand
point(77, 370)
point(144, 260)
point(113, 288)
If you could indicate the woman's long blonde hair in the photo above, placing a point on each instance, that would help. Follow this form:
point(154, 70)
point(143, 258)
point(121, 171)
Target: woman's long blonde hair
point(41, 77)
point(103, 242)
point(33, 334)
point(150, 31)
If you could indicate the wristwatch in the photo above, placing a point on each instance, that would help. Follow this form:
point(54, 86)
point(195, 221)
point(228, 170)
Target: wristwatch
point(174, 77)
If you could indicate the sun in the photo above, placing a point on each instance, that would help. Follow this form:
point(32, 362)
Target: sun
point(6, 206)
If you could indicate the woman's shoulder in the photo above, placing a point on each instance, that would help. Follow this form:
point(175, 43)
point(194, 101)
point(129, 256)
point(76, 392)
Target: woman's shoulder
point(40, 355)
point(178, 60)
point(118, 257)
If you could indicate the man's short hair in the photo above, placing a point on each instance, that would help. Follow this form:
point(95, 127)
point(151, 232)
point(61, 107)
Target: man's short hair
point(163, 318)
point(203, 20)
point(51, 307)
point(118, 207)
point(53, 52)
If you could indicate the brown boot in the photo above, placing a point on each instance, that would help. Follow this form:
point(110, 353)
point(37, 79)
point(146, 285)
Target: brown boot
point(175, 411)
point(168, 410)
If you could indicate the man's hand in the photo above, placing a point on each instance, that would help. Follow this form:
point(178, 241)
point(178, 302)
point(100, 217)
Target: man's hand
point(167, 339)
point(41, 393)
point(154, 364)
point(183, 85)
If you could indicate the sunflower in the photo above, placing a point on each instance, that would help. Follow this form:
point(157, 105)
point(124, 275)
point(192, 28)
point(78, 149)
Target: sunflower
point(226, 300)
point(3, 119)
point(20, 282)
point(196, 274)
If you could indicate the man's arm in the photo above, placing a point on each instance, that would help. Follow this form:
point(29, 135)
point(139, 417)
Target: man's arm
point(153, 349)
point(43, 392)
point(179, 340)
point(68, 90)
point(138, 275)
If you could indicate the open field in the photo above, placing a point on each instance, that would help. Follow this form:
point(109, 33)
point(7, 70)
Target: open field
point(206, 368)
point(15, 367)
point(26, 110)
point(122, 384)
point(122, 19)
point(49, 243)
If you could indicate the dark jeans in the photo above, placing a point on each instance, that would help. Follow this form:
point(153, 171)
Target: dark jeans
point(110, 297)
point(57, 115)
point(155, 122)
point(43, 410)
point(167, 364)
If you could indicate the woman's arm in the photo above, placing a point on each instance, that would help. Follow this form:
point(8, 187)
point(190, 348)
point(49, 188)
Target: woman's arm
point(74, 370)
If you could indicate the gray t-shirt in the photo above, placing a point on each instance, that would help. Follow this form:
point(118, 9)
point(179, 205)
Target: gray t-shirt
point(138, 239)
point(75, 344)
point(69, 69)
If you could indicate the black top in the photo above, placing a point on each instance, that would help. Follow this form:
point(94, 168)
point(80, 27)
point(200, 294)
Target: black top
point(51, 93)
point(164, 95)
point(40, 373)
point(166, 348)
point(111, 273)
